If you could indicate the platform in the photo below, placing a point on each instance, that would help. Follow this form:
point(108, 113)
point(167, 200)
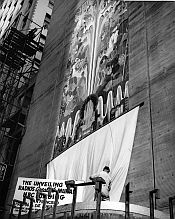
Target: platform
point(109, 210)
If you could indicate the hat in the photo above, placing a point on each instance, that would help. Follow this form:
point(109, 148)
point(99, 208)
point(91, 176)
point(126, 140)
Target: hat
point(106, 168)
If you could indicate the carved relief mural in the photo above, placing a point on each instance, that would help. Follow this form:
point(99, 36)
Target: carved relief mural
point(96, 79)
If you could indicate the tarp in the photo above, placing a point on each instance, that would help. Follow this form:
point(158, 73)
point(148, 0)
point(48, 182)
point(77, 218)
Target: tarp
point(111, 145)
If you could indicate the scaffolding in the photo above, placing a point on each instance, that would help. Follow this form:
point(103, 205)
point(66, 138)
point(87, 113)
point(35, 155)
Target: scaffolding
point(18, 49)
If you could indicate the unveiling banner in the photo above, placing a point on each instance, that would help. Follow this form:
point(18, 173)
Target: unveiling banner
point(111, 145)
point(29, 187)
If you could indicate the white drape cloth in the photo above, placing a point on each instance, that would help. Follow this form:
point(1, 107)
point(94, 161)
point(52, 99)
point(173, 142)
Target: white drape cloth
point(109, 146)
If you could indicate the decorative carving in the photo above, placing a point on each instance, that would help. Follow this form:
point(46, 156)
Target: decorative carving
point(96, 79)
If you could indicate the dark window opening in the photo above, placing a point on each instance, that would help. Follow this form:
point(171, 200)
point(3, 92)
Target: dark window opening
point(10, 18)
point(15, 21)
point(41, 47)
point(10, 4)
point(48, 16)
point(51, 4)
point(37, 62)
point(5, 17)
point(43, 37)
point(30, 3)
point(46, 24)
point(15, 4)
point(25, 21)
point(22, 2)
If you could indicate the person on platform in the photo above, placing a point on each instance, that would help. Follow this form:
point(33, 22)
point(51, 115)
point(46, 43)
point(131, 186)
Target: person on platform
point(105, 187)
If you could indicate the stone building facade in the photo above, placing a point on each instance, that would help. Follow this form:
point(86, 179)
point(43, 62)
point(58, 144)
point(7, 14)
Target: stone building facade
point(145, 65)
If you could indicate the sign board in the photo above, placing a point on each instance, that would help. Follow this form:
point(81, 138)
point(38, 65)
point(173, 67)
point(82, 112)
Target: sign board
point(3, 168)
point(30, 186)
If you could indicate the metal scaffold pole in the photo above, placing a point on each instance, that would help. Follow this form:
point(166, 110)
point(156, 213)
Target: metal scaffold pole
point(98, 185)
point(171, 207)
point(151, 200)
point(127, 201)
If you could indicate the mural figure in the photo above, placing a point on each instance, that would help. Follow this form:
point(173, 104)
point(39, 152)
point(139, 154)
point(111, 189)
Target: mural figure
point(82, 91)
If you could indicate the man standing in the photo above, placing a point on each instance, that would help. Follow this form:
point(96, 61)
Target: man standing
point(105, 187)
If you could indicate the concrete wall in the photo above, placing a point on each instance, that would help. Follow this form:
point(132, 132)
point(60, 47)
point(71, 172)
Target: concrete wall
point(151, 77)
point(151, 80)
point(36, 148)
